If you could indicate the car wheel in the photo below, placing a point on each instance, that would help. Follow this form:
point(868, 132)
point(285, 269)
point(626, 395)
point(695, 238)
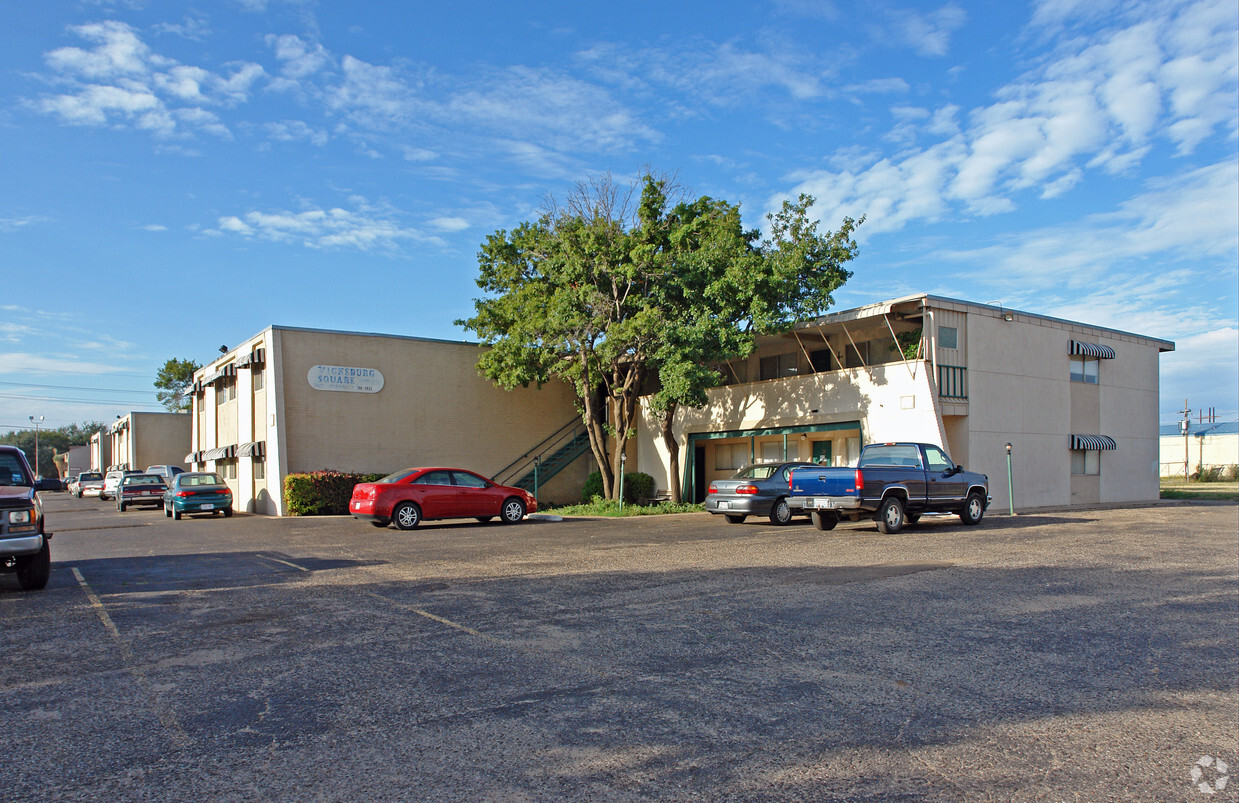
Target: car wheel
point(120, 506)
point(513, 510)
point(890, 515)
point(227, 512)
point(823, 521)
point(167, 512)
point(973, 510)
point(780, 513)
point(735, 519)
point(176, 514)
point(407, 516)
point(33, 570)
point(379, 522)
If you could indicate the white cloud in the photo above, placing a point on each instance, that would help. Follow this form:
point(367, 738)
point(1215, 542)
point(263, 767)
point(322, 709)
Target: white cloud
point(120, 80)
point(927, 33)
point(452, 224)
point(1098, 102)
point(367, 227)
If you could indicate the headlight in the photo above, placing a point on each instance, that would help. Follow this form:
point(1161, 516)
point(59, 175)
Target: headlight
point(20, 516)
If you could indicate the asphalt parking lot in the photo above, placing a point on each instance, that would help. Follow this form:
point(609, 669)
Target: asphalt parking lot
point(1090, 655)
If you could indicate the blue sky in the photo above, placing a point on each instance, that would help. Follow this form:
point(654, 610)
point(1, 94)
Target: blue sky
point(179, 176)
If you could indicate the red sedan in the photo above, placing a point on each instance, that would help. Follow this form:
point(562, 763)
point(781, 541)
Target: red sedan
point(409, 496)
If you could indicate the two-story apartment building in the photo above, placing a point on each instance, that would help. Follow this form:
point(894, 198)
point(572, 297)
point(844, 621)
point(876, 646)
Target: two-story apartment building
point(291, 400)
point(1077, 403)
point(138, 440)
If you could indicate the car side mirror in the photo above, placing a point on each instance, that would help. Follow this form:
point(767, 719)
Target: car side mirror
point(957, 470)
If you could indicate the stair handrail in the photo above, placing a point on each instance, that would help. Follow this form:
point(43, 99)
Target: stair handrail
point(547, 444)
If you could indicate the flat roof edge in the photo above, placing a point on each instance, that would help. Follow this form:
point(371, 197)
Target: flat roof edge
point(883, 307)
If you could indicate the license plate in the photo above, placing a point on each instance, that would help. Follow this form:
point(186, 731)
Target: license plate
point(724, 505)
point(207, 507)
point(821, 503)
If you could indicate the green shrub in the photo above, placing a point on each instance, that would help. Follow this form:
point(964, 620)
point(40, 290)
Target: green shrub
point(637, 485)
point(322, 493)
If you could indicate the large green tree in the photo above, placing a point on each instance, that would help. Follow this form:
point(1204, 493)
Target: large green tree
point(611, 297)
point(173, 382)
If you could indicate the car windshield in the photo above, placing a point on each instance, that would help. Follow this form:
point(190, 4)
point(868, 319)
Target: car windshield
point(143, 479)
point(399, 475)
point(761, 472)
point(198, 479)
point(12, 472)
point(894, 454)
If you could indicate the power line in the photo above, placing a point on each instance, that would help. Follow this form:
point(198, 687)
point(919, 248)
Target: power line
point(78, 387)
point(97, 402)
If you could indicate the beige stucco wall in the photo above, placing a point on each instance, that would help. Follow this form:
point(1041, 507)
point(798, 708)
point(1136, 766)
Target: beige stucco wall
point(433, 409)
point(892, 402)
point(1020, 391)
point(148, 439)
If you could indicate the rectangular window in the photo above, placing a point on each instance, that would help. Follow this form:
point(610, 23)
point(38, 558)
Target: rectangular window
point(734, 373)
point(948, 337)
point(260, 468)
point(226, 390)
point(227, 469)
point(1085, 462)
point(730, 456)
point(1085, 369)
point(857, 356)
point(779, 365)
point(258, 380)
point(821, 360)
point(772, 451)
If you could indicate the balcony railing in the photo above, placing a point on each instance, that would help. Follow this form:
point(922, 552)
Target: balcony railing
point(952, 382)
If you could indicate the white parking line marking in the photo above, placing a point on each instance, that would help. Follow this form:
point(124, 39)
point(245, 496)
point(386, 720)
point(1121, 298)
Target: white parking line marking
point(286, 563)
point(165, 716)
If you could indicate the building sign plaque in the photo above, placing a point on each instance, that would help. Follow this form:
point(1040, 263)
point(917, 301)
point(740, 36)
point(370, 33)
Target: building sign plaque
point(345, 377)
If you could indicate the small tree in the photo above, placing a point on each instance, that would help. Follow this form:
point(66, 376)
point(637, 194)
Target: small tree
point(173, 381)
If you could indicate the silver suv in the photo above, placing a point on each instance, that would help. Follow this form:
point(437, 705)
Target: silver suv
point(24, 548)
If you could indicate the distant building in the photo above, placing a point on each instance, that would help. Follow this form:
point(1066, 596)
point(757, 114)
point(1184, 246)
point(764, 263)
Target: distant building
point(74, 461)
point(139, 440)
point(100, 451)
point(1207, 445)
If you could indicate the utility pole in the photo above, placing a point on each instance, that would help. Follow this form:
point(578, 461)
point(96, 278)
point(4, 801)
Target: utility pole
point(1186, 426)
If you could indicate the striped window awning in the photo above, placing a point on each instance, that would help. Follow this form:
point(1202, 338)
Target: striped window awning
point(1102, 443)
point(1092, 350)
point(192, 457)
point(221, 453)
point(224, 372)
point(253, 449)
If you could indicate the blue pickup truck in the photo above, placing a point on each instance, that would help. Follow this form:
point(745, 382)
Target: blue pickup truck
point(893, 484)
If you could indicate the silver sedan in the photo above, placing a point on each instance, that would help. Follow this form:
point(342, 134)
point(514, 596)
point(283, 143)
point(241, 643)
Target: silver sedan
point(756, 490)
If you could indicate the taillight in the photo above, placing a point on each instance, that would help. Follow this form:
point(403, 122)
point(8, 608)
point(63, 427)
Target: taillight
point(747, 489)
point(184, 493)
point(713, 489)
point(860, 481)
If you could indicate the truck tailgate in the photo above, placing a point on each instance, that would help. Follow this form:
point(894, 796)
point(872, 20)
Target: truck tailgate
point(824, 481)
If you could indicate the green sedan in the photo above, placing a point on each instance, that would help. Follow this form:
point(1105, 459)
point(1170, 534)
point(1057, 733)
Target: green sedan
point(197, 492)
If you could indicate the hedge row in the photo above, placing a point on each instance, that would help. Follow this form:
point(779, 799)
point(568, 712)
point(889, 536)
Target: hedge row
point(322, 493)
point(637, 485)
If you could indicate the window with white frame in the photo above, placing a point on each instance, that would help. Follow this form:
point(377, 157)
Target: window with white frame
point(1085, 369)
point(772, 451)
point(948, 337)
point(227, 468)
point(730, 456)
point(1085, 462)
